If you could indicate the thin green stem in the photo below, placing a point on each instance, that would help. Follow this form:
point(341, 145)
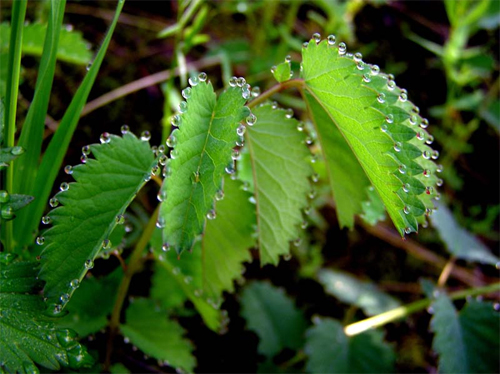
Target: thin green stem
point(297, 83)
point(133, 266)
point(406, 310)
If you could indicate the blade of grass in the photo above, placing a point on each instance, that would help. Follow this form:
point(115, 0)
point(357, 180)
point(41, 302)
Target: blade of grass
point(32, 132)
point(54, 155)
point(13, 70)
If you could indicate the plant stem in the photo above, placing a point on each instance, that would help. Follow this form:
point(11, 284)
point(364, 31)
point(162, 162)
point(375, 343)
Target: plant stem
point(133, 266)
point(297, 83)
point(405, 310)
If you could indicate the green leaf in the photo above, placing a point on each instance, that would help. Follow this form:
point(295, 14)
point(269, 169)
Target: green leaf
point(373, 209)
point(27, 337)
point(331, 351)
point(282, 72)
point(345, 175)
point(460, 242)
point(105, 187)
point(12, 205)
point(203, 147)
point(271, 314)
point(354, 292)
point(29, 218)
point(72, 47)
point(380, 126)
point(34, 126)
point(9, 154)
point(281, 171)
point(467, 342)
point(148, 328)
point(91, 304)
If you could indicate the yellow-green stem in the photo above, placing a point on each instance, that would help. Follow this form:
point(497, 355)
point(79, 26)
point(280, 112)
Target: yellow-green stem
point(297, 83)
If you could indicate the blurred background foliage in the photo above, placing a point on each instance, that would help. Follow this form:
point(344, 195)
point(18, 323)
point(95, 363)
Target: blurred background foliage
point(444, 53)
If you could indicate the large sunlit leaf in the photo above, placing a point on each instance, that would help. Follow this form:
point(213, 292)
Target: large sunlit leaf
point(467, 342)
point(382, 128)
point(273, 316)
point(330, 350)
point(202, 152)
point(353, 291)
point(104, 188)
point(148, 328)
point(27, 337)
point(280, 171)
point(460, 242)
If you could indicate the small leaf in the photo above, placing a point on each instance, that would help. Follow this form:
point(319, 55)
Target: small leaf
point(282, 72)
point(152, 332)
point(17, 201)
point(271, 314)
point(105, 187)
point(9, 154)
point(280, 171)
point(460, 242)
point(27, 336)
point(467, 342)
point(331, 351)
point(202, 152)
point(354, 292)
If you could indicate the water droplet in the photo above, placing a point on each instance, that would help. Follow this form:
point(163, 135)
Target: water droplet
point(430, 310)
point(246, 94)
point(232, 81)
point(188, 279)
point(161, 149)
point(315, 178)
point(427, 173)
point(17, 150)
point(374, 69)
point(64, 186)
point(251, 119)
point(312, 194)
point(426, 155)
point(235, 154)
point(439, 168)
point(366, 78)
point(162, 195)
point(202, 76)
point(403, 97)
point(255, 91)
point(176, 271)
point(389, 118)
point(193, 81)
point(300, 127)
point(160, 223)
point(163, 160)
point(219, 195)
point(240, 82)
point(129, 228)
point(420, 135)
point(331, 39)
point(86, 150)
point(57, 307)
point(304, 225)
point(439, 182)
point(165, 247)
point(171, 141)
point(358, 57)
point(120, 219)
point(317, 37)
point(289, 113)
point(186, 93)
point(429, 140)
point(402, 169)
point(46, 220)
point(435, 155)
point(360, 65)
point(381, 98)
point(288, 58)
point(397, 146)
point(240, 142)
point(68, 169)
point(391, 84)
point(106, 244)
point(241, 130)
point(145, 136)
point(105, 138)
point(429, 190)
point(7, 212)
point(415, 109)
point(40, 240)
point(75, 283)
point(307, 210)
point(342, 48)
point(406, 210)
point(64, 298)
point(4, 196)
point(413, 119)
point(383, 128)
point(183, 107)
point(89, 65)
point(406, 187)
point(53, 202)
point(230, 169)
point(124, 129)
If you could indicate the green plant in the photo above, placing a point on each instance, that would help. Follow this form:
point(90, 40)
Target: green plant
point(239, 173)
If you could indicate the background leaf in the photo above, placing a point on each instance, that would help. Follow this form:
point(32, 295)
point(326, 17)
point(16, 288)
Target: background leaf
point(26, 335)
point(105, 187)
point(271, 314)
point(331, 351)
point(280, 171)
point(467, 342)
point(152, 332)
point(203, 147)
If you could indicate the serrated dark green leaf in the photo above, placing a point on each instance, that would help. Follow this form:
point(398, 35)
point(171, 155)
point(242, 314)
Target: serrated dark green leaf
point(281, 170)
point(105, 187)
point(282, 72)
point(459, 242)
point(202, 152)
point(331, 351)
point(355, 292)
point(271, 314)
point(467, 342)
point(148, 327)
point(345, 175)
point(17, 201)
point(27, 337)
point(380, 126)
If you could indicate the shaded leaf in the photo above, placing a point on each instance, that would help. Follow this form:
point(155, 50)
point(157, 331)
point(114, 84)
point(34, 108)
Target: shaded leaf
point(373, 209)
point(152, 332)
point(467, 342)
point(460, 242)
point(27, 337)
point(331, 351)
point(202, 152)
point(354, 292)
point(271, 314)
point(105, 187)
point(280, 171)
